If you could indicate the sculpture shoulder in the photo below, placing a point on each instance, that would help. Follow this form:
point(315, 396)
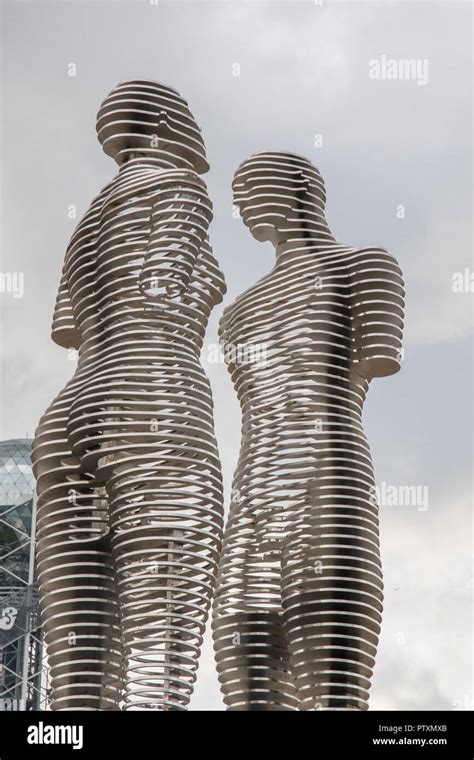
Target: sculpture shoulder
point(376, 261)
point(145, 182)
point(159, 178)
point(377, 300)
point(182, 184)
point(182, 177)
point(86, 229)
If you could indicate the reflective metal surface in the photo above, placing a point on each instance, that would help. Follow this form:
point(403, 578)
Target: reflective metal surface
point(128, 474)
point(299, 600)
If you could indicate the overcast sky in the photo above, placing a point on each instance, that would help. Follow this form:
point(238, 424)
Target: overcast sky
point(304, 71)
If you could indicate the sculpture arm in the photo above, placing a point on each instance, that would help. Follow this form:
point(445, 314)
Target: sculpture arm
point(64, 331)
point(377, 312)
point(180, 216)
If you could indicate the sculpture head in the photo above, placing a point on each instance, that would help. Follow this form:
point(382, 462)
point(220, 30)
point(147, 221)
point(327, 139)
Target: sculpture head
point(150, 119)
point(279, 194)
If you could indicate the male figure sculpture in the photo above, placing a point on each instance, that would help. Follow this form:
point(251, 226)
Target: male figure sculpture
point(299, 597)
point(128, 473)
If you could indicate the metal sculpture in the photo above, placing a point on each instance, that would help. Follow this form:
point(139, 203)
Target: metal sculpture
point(127, 468)
point(299, 597)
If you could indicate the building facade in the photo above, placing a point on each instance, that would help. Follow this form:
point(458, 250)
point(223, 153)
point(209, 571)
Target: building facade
point(22, 674)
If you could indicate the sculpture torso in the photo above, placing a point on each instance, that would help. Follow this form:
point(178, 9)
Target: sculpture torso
point(106, 252)
point(131, 347)
point(322, 322)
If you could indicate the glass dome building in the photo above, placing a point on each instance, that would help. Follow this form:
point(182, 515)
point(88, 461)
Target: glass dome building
point(22, 685)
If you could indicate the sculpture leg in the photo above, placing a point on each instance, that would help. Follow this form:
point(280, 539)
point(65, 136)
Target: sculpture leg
point(332, 592)
point(165, 543)
point(250, 646)
point(253, 661)
point(75, 577)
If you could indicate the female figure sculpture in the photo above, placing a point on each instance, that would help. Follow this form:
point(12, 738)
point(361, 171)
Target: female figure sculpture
point(127, 468)
point(299, 597)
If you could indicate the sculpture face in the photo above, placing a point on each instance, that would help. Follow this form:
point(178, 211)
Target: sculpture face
point(277, 192)
point(149, 118)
